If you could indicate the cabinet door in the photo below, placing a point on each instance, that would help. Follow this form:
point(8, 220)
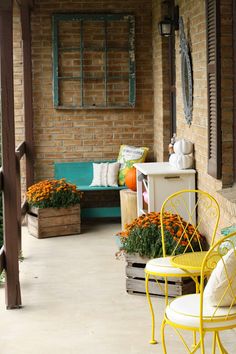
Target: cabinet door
point(161, 187)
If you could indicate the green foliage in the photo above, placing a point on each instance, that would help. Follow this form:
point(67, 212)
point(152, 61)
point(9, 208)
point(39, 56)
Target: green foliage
point(143, 236)
point(147, 242)
point(53, 194)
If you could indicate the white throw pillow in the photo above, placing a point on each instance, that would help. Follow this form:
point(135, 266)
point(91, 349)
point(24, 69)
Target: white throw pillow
point(112, 174)
point(217, 284)
point(105, 174)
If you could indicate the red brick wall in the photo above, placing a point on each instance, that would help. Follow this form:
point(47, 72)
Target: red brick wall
point(193, 13)
point(195, 28)
point(75, 135)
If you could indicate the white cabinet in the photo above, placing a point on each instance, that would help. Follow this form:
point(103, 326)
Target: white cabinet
point(159, 180)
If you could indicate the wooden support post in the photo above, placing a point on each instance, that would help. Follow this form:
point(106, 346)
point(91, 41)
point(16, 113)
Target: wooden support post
point(13, 296)
point(28, 106)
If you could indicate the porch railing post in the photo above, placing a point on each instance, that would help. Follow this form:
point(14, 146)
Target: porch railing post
point(13, 295)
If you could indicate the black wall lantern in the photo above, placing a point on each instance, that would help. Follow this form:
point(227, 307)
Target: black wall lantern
point(169, 24)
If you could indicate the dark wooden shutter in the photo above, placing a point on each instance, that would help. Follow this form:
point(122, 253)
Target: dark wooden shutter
point(214, 87)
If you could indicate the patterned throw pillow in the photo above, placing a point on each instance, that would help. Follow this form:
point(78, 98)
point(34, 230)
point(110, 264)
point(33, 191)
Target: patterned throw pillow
point(128, 156)
point(221, 286)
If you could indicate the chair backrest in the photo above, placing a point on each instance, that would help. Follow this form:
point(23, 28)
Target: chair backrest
point(220, 291)
point(183, 216)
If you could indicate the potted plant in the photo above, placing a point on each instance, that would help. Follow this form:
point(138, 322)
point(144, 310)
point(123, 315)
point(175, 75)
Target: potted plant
point(143, 235)
point(54, 208)
point(141, 240)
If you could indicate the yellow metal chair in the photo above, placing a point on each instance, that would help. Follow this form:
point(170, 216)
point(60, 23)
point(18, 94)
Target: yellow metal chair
point(214, 309)
point(185, 204)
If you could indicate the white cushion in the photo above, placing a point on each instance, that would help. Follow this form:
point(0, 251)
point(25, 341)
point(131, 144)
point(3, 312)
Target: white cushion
point(217, 291)
point(163, 266)
point(112, 174)
point(105, 174)
point(185, 311)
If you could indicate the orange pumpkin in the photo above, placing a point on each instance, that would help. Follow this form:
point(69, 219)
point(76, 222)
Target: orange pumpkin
point(130, 179)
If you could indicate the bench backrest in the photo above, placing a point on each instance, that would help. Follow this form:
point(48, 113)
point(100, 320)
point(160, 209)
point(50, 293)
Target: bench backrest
point(79, 173)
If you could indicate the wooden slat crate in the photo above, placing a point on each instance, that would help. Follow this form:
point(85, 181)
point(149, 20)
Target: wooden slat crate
point(50, 222)
point(135, 281)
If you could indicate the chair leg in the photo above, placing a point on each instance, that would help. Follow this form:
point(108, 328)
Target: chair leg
point(153, 340)
point(214, 343)
point(202, 345)
point(220, 345)
point(166, 292)
point(197, 291)
point(194, 339)
point(163, 343)
point(196, 284)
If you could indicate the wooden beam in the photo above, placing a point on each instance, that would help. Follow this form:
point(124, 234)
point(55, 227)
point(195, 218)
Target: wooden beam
point(28, 101)
point(12, 287)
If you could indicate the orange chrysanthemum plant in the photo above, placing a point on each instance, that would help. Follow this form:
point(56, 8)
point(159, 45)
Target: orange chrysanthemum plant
point(53, 194)
point(143, 236)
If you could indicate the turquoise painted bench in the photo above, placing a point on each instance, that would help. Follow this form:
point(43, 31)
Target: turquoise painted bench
point(81, 174)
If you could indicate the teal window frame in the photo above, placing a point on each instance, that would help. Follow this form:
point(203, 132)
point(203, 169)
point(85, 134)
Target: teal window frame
point(56, 50)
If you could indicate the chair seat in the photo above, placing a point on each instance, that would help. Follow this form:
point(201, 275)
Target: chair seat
point(185, 310)
point(162, 266)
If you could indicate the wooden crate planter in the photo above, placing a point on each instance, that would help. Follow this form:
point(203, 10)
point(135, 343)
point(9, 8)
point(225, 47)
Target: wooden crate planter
point(135, 279)
point(50, 222)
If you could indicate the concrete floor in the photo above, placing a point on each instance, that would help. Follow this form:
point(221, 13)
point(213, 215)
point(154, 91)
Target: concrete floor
point(74, 301)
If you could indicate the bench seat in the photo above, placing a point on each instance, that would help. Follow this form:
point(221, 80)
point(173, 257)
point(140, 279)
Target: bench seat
point(81, 174)
point(102, 188)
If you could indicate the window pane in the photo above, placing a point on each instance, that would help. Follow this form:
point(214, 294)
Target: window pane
point(118, 34)
point(69, 34)
point(93, 34)
point(118, 92)
point(69, 64)
point(70, 93)
point(94, 93)
point(118, 64)
point(94, 64)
